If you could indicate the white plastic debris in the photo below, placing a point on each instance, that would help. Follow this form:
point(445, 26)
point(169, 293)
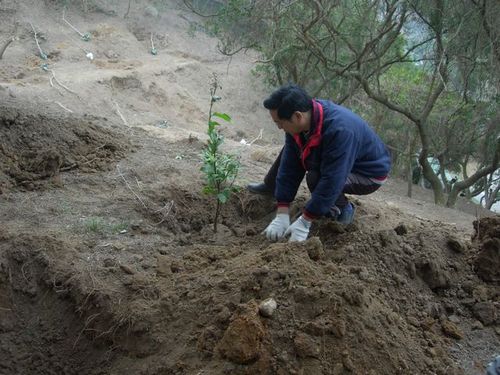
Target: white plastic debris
point(90, 56)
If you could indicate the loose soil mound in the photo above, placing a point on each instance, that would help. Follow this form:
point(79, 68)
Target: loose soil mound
point(35, 148)
point(350, 299)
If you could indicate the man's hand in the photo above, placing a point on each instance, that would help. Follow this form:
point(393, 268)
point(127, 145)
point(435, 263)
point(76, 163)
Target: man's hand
point(299, 230)
point(278, 226)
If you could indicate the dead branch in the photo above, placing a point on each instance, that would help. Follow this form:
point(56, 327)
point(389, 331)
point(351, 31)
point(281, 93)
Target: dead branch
point(42, 55)
point(63, 107)
point(120, 114)
point(4, 47)
point(60, 84)
point(130, 188)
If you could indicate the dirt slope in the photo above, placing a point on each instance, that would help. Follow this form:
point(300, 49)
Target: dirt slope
point(108, 264)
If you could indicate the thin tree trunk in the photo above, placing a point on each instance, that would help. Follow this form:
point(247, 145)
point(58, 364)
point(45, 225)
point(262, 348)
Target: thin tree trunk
point(128, 9)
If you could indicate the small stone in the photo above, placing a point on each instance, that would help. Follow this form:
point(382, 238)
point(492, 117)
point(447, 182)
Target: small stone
point(267, 307)
point(451, 330)
point(454, 319)
point(497, 330)
point(127, 269)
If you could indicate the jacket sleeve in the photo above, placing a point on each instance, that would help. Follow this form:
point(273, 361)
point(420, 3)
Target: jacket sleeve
point(337, 159)
point(290, 173)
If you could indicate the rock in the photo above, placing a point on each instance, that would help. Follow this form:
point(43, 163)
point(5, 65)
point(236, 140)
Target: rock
point(485, 312)
point(433, 274)
point(451, 330)
point(497, 330)
point(456, 245)
point(401, 229)
point(127, 269)
point(454, 319)
point(242, 340)
point(306, 346)
point(267, 307)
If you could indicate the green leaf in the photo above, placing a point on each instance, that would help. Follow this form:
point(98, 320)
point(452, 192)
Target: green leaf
point(213, 123)
point(223, 116)
point(222, 197)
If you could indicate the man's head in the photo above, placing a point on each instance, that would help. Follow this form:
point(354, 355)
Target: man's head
point(290, 108)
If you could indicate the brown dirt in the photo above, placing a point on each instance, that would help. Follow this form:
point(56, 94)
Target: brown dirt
point(108, 261)
point(36, 146)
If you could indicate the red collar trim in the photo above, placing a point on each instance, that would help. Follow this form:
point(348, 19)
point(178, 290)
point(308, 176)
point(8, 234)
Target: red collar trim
point(315, 137)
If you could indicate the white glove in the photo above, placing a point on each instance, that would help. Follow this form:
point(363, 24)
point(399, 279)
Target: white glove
point(277, 228)
point(299, 230)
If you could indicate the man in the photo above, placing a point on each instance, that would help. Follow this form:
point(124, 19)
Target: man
point(339, 152)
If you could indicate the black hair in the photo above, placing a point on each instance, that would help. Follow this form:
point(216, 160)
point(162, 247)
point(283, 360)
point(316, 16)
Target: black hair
point(289, 99)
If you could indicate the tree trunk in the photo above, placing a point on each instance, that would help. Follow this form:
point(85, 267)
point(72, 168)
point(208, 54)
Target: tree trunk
point(492, 195)
point(427, 170)
point(465, 184)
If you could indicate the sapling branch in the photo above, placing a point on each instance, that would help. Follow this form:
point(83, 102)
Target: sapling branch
point(220, 168)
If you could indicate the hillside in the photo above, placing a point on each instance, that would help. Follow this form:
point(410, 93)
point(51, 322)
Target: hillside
point(108, 264)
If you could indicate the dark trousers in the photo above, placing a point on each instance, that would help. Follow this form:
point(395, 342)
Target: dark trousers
point(355, 184)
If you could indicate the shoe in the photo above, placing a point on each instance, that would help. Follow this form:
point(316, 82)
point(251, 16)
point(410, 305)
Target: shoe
point(347, 214)
point(259, 188)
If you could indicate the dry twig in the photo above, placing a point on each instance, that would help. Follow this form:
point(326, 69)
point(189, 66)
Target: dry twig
point(2, 49)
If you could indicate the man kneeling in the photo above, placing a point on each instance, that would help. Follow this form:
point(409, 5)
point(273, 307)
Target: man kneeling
point(334, 148)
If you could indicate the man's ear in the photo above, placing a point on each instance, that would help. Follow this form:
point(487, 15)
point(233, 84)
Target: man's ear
point(298, 115)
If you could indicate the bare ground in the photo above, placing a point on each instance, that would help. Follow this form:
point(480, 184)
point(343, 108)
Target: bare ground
point(108, 264)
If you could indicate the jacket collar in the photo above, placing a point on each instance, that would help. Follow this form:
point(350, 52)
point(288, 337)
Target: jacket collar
point(314, 132)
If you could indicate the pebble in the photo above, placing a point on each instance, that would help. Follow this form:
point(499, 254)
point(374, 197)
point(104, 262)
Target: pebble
point(267, 307)
point(127, 269)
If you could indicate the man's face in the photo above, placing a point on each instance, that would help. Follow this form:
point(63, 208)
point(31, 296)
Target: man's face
point(292, 126)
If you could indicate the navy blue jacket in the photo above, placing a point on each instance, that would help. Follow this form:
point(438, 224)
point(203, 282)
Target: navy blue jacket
point(339, 143)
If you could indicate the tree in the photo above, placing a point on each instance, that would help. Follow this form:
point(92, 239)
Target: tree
point(447, 49)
